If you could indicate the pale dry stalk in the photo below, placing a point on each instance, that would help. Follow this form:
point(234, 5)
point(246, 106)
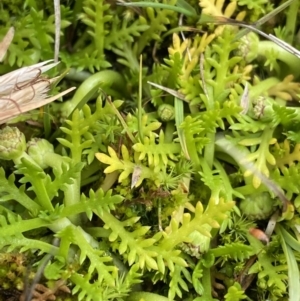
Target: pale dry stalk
point(26, 88)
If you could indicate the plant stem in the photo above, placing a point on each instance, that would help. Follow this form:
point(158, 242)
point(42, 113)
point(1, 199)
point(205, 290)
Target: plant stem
point(78, 76)
point(209, 150)
point(109, 181)
point(291, 21)
point(102, 80)
point(99, 28)
point(282, 55)
point(23, 226)
point(169, 131)
point(237, 152)
point(137, 296)
point(262, 87)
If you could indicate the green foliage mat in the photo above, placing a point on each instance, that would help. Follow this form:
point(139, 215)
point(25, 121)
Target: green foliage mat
point(172, 172)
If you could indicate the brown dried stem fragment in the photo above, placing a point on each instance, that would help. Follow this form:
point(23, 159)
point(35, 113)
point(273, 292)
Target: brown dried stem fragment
point(43, 293)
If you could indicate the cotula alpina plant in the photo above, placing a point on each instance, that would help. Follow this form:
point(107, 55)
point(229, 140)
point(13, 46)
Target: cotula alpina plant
point(172, 193)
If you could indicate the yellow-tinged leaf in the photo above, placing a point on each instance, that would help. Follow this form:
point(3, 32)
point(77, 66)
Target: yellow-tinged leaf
point(112, 152)
point(174, 225)
point(157, 236)
point(124, 175)
point(271, 159)
point(150, 13)
point(142, 155)
point(176, 43)
point(147, 243)
point(256, 182)
point(123, 247)
point(230, 9)
point(241, 16)
point(204, 232)
point(180, 261)
point(247, 173)
point(186, 218)
point(103, 158)
point(125, 153)
point(288, 214)
point(160, 264)
point(170, 265)
point(189, 206)
point(110, 169)
point(142, 261)
point(151, 263)
point(113, 236)
point(199, 208)
point(250, 141)
point(214, 224)
point(131, 257)
point(131, 221)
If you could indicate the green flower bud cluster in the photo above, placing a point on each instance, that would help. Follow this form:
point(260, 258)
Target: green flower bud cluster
point(248, 47)
point(12, 143)
point(191, 250)
point(38, 149)
point(263, 108)
point(166, 112)
point(258, 206)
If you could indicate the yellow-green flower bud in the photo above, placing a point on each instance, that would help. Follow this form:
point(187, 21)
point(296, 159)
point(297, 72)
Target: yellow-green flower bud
point(12, 143)
point(258, 206)
point(248, 47)
point(166, 112)
point(263, 108)
point(38, 149)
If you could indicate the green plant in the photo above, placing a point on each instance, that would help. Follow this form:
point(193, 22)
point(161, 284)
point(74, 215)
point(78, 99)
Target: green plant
point(130, 194)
